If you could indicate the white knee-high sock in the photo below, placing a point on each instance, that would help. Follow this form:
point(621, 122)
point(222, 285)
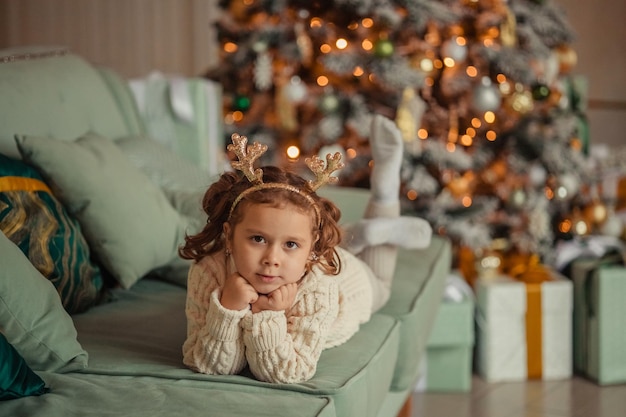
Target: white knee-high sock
point(382, 224)
point(404, 231)
point(386, 145)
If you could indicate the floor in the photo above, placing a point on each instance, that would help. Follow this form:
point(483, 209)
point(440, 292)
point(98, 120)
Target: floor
point(575, 397)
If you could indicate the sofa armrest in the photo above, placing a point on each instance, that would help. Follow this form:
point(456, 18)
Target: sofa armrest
point(350, 200)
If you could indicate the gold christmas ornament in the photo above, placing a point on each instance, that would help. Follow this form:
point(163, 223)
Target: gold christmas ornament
point(554, 99)
point(463, 185)
point(490, 261)
point(286, 112)
point(508, 37)
point(521, 102)
point(495, 172)
point(595, 213)
point(489, 265)
point(238, 9)
point(568, 58)
point(409, 114)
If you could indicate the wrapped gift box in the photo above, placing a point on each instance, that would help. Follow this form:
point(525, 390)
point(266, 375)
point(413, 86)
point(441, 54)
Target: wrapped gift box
point(600, 319)
point(185, 114)
point(447, 363)
point(523, 330)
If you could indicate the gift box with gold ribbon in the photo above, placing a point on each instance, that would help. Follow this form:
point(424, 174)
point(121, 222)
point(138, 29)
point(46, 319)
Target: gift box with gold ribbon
point(524, 324)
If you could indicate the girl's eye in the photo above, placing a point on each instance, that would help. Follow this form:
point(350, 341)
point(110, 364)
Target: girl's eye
point(257, 239)
point(292, 245)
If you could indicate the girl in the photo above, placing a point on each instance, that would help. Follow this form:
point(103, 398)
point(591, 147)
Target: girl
point(270, 287)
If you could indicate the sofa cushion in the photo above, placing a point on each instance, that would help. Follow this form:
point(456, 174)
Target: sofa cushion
point(91, 395)
point(33, 218)
point(416, 292)
point(16, 378)
point(49, 91)
point(127, 220)
point(143, 331)
point(32, 317)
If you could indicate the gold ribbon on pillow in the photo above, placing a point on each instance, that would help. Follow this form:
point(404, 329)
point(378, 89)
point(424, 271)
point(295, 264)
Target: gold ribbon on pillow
point(529, 270)
point(22, 184)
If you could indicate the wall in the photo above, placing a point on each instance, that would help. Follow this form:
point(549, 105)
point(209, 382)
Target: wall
point(175, 36)
point(601, 47)
point(132, 36)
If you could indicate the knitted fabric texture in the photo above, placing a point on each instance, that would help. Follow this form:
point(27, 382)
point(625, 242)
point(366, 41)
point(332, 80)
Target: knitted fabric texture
point(280, 347)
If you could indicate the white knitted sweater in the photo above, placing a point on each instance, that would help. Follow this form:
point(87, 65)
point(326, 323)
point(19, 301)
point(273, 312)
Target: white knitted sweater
point(278, 346)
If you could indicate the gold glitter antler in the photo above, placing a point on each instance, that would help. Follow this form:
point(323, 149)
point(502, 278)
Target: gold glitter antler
point(323, 174)
point(247, 155)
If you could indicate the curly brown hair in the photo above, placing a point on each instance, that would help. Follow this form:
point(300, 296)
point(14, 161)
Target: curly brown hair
point(219, 198)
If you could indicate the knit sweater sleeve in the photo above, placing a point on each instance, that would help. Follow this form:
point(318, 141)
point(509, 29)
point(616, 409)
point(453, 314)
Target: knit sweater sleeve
point(214, 344)
point(284, 347)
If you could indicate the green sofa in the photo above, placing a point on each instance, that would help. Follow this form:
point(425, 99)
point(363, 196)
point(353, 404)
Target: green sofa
point(123, 357)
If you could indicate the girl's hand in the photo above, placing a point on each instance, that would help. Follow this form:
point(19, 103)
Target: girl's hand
point(280, 299)
point(237, 293)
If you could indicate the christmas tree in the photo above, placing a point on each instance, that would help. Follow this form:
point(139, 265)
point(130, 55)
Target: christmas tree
point(482, 90)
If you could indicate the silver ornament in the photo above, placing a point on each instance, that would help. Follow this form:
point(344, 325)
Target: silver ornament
point(486, 96)
point(452, 49)
point(295, 90)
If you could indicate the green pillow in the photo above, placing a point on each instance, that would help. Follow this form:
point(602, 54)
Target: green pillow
point(32, 317)
point(127, 220)
point(183, 183)
point(16, 378)
point(163, 166)
point(39, 225)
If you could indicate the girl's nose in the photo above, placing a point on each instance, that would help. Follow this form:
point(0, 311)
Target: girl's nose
point(271, 256)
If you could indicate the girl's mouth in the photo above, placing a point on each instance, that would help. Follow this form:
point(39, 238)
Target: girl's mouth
point(266, 278)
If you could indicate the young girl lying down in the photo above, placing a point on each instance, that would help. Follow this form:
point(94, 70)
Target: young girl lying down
point(272, 285)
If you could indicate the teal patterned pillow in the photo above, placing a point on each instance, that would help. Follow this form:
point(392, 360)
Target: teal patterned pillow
point(16, 378)
point(32, 217)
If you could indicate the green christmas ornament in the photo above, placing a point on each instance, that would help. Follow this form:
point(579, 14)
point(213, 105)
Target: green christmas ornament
point(541, 92)
point(241, 102)
point(329, 103)
point(383, 48)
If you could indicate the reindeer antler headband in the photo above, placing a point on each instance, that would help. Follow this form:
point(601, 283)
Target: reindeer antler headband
point(248, 154)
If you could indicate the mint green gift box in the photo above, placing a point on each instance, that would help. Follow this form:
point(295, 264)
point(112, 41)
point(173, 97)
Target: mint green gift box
point(184, 114)
point(600, 319)
point(448, 360)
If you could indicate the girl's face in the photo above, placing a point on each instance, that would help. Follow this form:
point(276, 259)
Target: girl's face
point(270, 246)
